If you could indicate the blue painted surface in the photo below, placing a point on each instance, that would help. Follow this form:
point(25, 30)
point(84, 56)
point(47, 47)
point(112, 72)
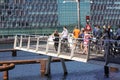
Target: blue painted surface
point(76, 70)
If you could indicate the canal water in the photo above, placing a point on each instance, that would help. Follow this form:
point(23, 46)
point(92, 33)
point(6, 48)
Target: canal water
point(76, 70)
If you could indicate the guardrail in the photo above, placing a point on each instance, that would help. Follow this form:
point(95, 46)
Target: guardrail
point(69, 49)
point(46, 47)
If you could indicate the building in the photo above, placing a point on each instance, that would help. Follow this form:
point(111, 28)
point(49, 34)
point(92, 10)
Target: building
point(105, 12)
point(27, 16)
point(39, 16)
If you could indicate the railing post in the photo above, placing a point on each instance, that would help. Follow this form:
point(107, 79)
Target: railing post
point(21, 37)
point(28, 44)
point(15, 41)
point(47, 46)
point(88, 54)
point(37, 45)
point(59, 47)
point(72, 52)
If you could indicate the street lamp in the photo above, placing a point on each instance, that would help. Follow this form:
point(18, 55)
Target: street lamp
point(78, 10)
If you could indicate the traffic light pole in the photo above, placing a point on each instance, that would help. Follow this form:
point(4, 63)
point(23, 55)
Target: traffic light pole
point(78, 13)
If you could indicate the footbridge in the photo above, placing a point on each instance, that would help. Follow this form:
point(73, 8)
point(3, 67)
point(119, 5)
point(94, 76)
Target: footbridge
point(69, 50)
point(45, 45)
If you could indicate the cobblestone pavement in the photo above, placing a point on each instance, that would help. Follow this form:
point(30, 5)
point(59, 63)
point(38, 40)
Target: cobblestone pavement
point(94, 70)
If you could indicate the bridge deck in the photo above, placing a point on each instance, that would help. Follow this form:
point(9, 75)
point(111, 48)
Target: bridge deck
point(46, 47)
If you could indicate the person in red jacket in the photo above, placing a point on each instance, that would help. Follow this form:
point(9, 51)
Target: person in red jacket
point(88, 27)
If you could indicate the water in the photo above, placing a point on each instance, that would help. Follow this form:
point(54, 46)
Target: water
point(76, 70)
point(6, 46)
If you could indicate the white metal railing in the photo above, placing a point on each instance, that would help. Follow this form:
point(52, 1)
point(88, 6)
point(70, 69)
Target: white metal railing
point(37, 45)
point(68, 50)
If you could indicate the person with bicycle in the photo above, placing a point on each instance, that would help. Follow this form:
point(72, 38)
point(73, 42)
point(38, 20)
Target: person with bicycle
point(64, 39)
point(98, 43)
point(64, 34)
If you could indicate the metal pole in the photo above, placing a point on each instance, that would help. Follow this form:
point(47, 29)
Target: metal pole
point(48, 66)
point(107, 52)
point(64, 66)
point(78, 13)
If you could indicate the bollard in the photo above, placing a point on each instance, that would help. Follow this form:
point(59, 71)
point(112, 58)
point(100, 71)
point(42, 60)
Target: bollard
point(5, 68)
point(5, 73)
point(14, 54)
point(106, 71)
point(43, 67)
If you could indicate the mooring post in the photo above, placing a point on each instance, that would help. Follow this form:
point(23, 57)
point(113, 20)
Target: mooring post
point(43, 67)
point(14, 53)
point(5, 73)
point(64, 66)
point(48, 66)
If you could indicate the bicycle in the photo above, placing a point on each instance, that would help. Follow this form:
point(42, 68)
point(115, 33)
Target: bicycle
point(64, 45)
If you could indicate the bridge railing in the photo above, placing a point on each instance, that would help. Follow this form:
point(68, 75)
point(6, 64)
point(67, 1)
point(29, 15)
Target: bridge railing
point(107, 50)
point(71, 49)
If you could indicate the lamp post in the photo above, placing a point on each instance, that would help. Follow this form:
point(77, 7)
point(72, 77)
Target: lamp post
point(78, 10)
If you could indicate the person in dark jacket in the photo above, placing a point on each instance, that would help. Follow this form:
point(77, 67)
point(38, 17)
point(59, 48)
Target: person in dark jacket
point(94, 31)
point(56, 39)
point(118, 33)
point(98, 33)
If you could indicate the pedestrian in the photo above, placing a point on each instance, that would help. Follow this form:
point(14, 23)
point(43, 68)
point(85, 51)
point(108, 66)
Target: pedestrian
point(88, 28)
point(64, 40)
point(110, 31)
point(94, 31)
point(87, 37)
point(81, 37)
point(76, 33)
point(118, 33)
point(56, 40)
point(64, 34)
point(98, 33)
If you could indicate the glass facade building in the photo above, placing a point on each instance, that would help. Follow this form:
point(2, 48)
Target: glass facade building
point(40, 16)
point(27, 16)
point(105, 12)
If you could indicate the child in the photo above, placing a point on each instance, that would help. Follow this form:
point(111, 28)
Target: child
point(86, 42)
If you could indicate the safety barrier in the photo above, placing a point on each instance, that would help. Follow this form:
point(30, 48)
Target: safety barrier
point(68, 50)
point(35, 44)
